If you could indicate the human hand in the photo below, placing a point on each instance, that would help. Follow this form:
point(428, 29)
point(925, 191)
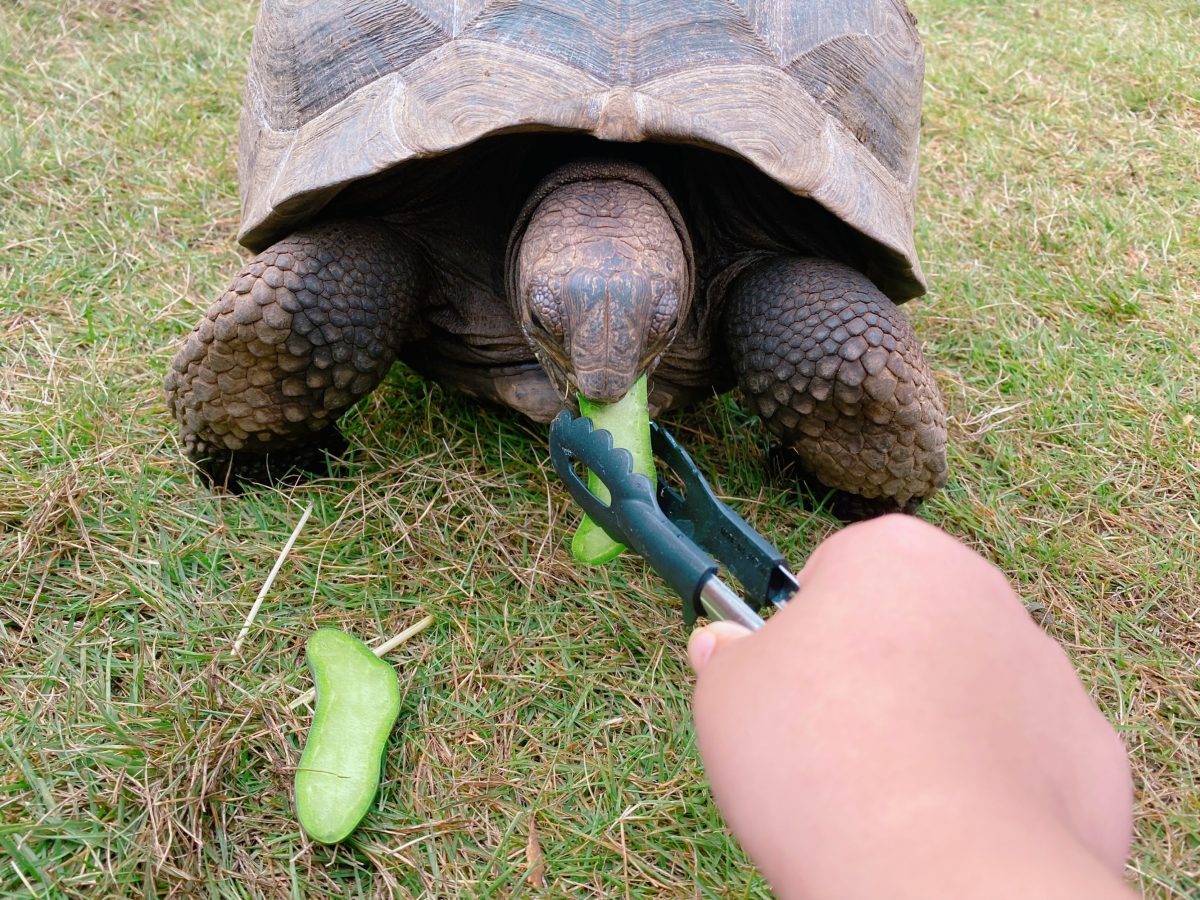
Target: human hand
point(903, 729)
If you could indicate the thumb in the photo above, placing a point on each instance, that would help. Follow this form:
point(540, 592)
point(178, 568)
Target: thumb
point(707, 641)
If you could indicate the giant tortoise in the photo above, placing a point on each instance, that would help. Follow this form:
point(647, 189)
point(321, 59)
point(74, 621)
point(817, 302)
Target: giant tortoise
point(529, 200)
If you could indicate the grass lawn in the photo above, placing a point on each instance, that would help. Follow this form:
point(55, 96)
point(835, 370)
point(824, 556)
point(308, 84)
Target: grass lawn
point(545, 725)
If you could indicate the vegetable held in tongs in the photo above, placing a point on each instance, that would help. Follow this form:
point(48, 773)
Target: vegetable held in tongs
point(628, 421)
point(674, 533)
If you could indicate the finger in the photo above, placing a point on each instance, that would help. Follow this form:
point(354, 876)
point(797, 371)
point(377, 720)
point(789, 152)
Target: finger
point(707, 641)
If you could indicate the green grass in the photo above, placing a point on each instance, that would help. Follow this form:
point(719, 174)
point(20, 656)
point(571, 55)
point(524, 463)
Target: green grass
point(1058, 214)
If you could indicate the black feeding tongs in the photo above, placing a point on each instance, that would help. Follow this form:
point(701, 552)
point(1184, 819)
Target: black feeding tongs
point(675, 533)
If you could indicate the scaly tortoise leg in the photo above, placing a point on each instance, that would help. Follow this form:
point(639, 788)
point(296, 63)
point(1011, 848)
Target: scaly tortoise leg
point(835, 371)
point(307, 328)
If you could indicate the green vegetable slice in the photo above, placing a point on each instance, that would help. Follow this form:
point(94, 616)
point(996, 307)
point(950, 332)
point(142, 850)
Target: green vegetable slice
point(358, 699)
point(628, 421)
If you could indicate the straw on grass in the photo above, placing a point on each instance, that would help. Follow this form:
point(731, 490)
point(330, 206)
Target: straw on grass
point(287, 548)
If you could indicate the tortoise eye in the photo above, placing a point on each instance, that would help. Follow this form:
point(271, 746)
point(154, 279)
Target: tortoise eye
point(536, 321)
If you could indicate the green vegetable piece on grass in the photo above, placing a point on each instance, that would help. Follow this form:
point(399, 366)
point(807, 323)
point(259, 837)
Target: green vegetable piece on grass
point(628, 421)
point(358, 699)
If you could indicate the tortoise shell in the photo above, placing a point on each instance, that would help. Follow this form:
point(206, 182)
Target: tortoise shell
point(824, 98)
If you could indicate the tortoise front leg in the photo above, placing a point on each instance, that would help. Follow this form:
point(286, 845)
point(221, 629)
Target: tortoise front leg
point(835, 371)
point(307, 328)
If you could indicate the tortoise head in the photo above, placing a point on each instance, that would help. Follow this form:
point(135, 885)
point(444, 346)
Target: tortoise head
point(599, 276)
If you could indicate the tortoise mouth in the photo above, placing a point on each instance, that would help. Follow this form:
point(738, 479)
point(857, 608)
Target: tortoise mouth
point(598, 384)
point(605, 384)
